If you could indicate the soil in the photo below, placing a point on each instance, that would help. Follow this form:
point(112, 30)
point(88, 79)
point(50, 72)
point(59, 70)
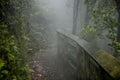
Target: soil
point(42, 65)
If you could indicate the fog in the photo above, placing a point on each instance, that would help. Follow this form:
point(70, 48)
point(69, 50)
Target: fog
point(48, 16)
point(65, 36)
point(61, 14)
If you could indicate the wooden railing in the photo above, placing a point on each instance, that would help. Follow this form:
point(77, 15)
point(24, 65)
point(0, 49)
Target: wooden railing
point(80, 61)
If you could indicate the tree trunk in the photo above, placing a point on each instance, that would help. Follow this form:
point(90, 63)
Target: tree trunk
point(118, 9)
point(75, 14)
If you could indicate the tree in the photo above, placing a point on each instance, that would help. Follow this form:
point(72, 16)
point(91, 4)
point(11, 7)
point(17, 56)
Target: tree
point(75, 15)
point(13, 27)
point(118, 9)
point(103, 18)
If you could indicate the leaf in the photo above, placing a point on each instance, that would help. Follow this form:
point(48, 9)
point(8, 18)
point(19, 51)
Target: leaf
point(25, 38)
point(14, 77)
point(5, 71)
point(15, 48)
point(2, 63)
point(39, 75)
point(10, 57)
point(30, 49)
point(118, 51)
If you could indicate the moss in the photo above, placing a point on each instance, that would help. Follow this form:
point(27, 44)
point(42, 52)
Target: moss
point(109, 63)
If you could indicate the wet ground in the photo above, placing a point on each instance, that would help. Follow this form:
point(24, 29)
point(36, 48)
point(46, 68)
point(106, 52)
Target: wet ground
point(42, 64)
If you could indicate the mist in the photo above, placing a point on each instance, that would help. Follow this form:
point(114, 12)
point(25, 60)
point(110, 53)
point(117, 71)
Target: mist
point(60, 14)
point(50, 16)
point(61, 48)
point(59, 40)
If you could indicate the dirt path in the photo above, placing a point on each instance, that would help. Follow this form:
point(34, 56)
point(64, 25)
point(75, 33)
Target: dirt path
point(42, 65)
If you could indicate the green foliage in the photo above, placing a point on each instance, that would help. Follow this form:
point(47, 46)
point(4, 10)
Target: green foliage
point(10, 68)
point(2, 63)
point(13, 39)
point(103, 16)
point(89, 32)
point(38, 36)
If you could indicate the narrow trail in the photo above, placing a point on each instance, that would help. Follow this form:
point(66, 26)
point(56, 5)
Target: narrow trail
point(42, 64)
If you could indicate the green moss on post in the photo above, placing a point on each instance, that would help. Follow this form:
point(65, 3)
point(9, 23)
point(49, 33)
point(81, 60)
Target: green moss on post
point(109, 63)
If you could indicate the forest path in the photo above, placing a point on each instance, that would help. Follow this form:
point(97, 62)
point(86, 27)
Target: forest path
point(42, 64)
